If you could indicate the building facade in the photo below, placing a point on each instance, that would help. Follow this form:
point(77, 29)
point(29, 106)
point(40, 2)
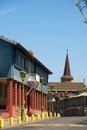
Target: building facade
point(67, 87)
point(14, 58)
point(75, 105)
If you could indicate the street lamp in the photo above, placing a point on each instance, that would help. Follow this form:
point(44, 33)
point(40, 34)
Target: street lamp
point(22, 75)
point(52, 98)
point(42, 107)
point(51, 101)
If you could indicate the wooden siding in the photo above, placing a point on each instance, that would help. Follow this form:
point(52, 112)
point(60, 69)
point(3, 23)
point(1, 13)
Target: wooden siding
point(5, 59)
point(45, 89)
point(10, 65)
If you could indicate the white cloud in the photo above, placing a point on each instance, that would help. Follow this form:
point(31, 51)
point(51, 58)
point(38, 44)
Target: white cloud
point(6, 11)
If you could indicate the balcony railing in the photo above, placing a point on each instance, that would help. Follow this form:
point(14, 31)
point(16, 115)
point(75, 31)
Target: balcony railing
point(33, 77)
point(33, 81)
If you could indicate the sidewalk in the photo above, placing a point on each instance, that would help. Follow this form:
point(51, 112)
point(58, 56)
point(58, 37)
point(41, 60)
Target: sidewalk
point(12, 122)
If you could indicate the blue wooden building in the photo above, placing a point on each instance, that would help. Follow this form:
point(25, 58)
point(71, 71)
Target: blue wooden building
point(14, 58)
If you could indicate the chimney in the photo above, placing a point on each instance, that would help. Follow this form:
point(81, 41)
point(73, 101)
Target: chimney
point(31, 52)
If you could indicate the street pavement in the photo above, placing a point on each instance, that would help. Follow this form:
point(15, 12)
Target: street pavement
point(62, 123)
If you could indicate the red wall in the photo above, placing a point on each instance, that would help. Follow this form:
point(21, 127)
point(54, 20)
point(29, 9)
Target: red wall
point(32, 102)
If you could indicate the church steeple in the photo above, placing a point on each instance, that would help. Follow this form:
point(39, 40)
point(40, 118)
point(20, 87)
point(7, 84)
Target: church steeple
point(67, 74)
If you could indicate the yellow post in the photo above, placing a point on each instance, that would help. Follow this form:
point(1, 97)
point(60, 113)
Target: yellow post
point(19, 120)
point(46, 114)
point(50, 114)
point(1, 123)
point(26, 118)
point(32, 117)
point(54, 114)
point(42, 115)
point(58, 115)
point(38, 116)
point(11, 121)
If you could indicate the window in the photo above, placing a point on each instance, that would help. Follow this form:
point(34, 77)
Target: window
point(22, 61)
point(1, 89)
point(32, 68)
point(43, 74)
point(27, 65)
point(19, 60)
point(45, 78)
point(3, 95)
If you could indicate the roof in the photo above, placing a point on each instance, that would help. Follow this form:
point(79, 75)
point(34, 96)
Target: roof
point(67, 74)
point(75, 96)
point(19, 46)
point(79, 95)
point(67, 66)
point(67, 86)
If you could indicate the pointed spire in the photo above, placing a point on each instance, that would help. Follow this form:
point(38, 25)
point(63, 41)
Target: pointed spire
point(67, 74)
point(67, 67)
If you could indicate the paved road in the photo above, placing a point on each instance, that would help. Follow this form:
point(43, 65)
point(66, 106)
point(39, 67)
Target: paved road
point(63, 123)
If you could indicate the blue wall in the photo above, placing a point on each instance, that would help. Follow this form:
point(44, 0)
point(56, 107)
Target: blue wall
point(5, 59)
point(12, 61)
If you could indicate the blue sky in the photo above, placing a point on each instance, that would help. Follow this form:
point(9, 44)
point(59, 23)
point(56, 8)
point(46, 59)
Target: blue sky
point(49, 28)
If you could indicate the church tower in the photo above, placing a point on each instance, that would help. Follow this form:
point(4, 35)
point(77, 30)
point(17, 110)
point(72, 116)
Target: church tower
point(67, 74)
